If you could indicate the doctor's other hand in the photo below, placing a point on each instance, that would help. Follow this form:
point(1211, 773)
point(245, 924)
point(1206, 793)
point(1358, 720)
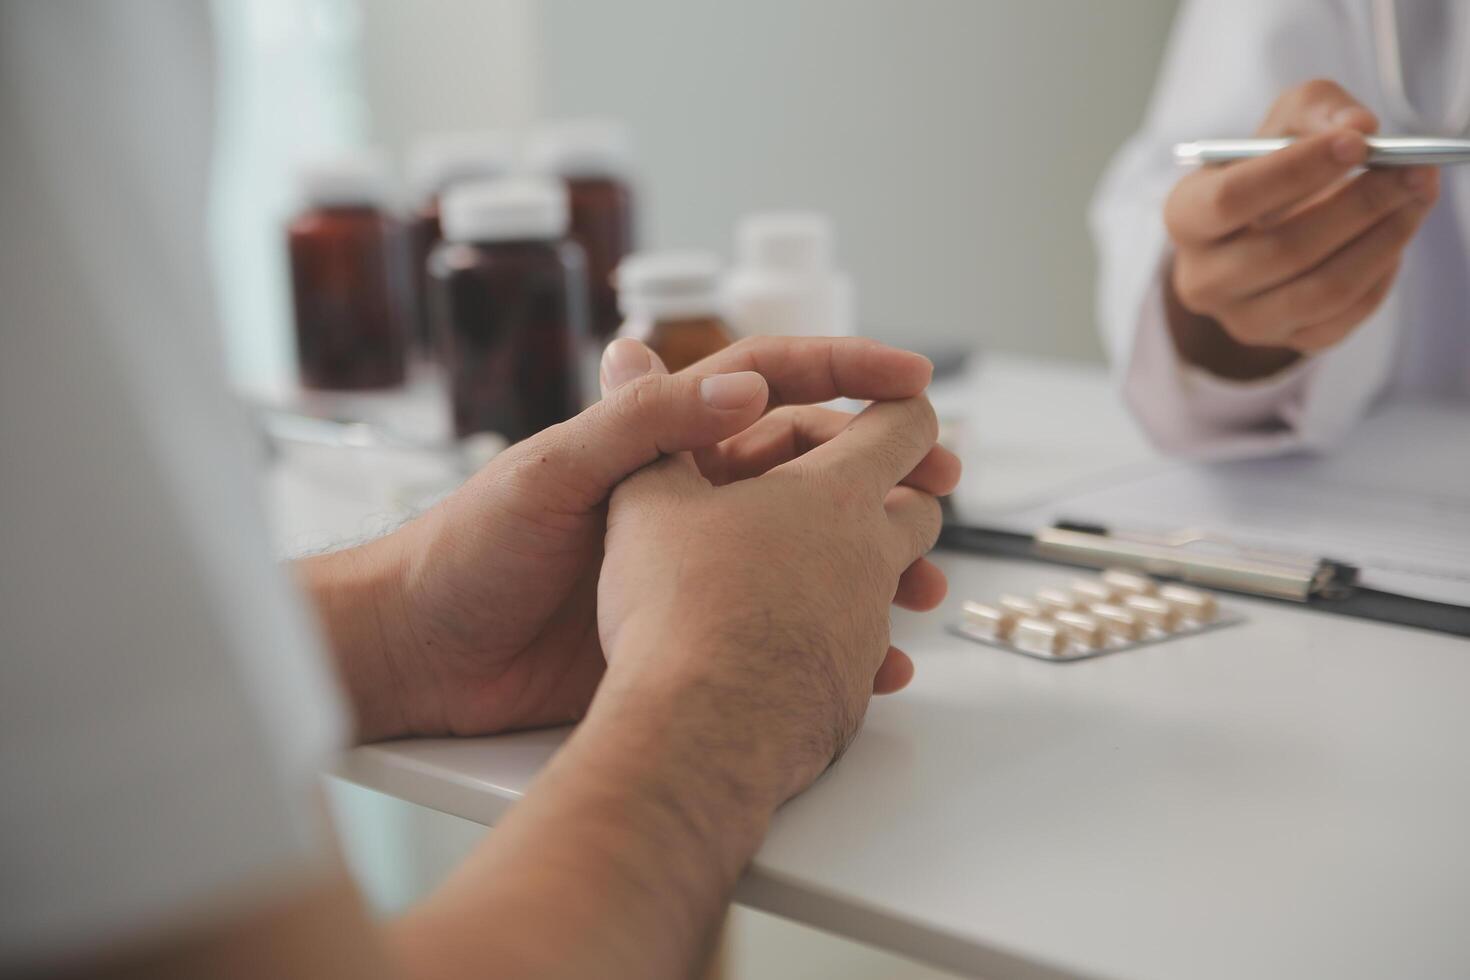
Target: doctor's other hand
point(480, 615)
point(1286, 254)
point(761, 606)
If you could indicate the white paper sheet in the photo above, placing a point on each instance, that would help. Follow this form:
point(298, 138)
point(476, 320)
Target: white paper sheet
point(1395, 502)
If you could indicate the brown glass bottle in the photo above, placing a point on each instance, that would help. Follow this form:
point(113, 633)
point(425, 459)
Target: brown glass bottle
point(436, 163)
point(602, 223)
point(509, 305)
point(672, 304)
point(682, 341)
point(424, 233)
point(346, 294)
point(593, 157)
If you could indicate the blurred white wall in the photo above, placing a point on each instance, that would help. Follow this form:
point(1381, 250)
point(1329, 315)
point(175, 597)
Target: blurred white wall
point(289, 83)
point(956, 142)
point(446, 65)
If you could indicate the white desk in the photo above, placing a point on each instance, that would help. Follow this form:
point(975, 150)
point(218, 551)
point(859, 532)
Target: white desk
point(1286, 798)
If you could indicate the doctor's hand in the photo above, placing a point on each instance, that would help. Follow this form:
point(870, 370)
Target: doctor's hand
point(757, 611)
point(1286, 254)
point(480, 615)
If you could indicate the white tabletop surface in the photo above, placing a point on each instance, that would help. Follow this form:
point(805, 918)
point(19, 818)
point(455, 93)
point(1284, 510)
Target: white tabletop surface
point(1283, 798)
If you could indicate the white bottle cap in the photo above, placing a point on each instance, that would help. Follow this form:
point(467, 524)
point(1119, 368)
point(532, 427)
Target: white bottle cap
point(581, 148)
point(794, 242)
point(785, 280)
point(437, 161)
point(346, 178)
point(662, 285)
point(505, 209)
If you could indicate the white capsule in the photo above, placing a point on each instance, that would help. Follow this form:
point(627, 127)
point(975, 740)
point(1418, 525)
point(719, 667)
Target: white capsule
point(1093, 590)
point(1057, 600)
point(1155, 612)
point(1039, 636)
point(989, 621)
point(1022, 607)
point(1084, 631)
point(1118, 621)
point(1126, 583)
point(1191, 604)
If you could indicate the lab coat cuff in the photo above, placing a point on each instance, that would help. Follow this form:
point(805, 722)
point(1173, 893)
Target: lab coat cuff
point(1187, 410)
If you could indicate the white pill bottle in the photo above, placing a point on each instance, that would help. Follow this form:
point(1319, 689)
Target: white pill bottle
point(785, 281)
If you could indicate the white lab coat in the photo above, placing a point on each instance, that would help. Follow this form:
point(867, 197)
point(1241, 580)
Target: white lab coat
point(1227, 61)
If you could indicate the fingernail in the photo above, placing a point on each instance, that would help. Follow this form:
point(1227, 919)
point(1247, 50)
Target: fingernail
point(624, 360)
point(1345, 116)
point(730, 391)
point(1349, 148)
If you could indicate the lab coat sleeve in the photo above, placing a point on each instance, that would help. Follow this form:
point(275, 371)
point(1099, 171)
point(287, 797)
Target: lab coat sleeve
point(1226, 64)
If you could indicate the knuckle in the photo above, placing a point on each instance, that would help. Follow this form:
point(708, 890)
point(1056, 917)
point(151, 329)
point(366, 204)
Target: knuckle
point(927, 527)
point(1244, 328)
point(1318, 90)
point(1194, 290)
point(1376, 194)
point(645, 395)
point(1277, 249)
point(536, 468)
point(1298, 170)
point(1313, 294)
point(788, 416)
point(1224, 200)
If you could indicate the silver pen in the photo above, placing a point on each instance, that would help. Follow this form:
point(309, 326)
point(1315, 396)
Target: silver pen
point(1171, 556)
point(1383, 151)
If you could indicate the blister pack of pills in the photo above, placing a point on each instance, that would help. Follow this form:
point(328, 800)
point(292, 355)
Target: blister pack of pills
point(1117, 610)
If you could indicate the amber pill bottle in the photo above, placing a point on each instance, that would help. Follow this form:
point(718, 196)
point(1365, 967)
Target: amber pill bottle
point(594, 158)
point(347, 281)
point(435, 164)
point(508, 294)
point(671, 302)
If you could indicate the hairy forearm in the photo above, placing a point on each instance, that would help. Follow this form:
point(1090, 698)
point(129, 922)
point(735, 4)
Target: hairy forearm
point(618, 863)
point(358, 597)
point(1201, 341)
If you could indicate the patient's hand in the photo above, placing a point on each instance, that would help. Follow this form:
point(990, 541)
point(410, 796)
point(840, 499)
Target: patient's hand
point(480, 616)
point(761, 606)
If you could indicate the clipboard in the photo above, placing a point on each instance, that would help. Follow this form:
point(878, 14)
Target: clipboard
point(1322, 585)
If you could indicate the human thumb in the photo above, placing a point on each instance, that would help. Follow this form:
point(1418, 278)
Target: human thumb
point(624, 360)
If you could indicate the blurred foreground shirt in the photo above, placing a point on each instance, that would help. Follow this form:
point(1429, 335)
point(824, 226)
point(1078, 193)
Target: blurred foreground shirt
point(164, 704)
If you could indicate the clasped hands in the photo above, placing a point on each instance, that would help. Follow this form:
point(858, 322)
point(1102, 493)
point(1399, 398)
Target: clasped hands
point(711, 541)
